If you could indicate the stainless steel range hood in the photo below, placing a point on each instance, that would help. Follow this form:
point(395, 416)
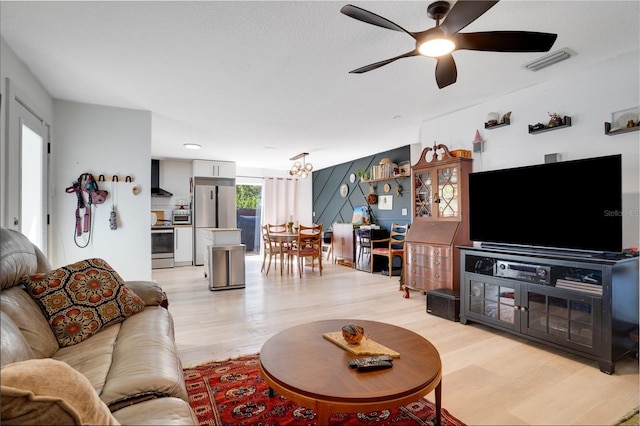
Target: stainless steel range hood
point(156, 191)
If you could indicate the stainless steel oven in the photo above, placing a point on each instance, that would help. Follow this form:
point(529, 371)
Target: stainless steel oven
point(162, 240)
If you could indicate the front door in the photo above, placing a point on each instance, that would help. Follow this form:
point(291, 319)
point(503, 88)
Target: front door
point(27, 165)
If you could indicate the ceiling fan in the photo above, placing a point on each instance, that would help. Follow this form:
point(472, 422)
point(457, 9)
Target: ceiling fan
point(444, 38)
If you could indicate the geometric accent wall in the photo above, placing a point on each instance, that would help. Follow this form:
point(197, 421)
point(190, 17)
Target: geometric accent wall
point(329, 206)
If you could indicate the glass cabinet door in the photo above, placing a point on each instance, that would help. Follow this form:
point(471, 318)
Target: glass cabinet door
point(448, 192)
point(492, 300)
point(423, 194)
point(567, 320)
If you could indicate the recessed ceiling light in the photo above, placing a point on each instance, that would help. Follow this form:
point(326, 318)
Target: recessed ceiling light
point(192, 146)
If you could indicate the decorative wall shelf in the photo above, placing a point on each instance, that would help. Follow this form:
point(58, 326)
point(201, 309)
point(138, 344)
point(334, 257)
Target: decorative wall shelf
point(566, 120)
point(608, 132)
point(507, 122)
point(401, 176)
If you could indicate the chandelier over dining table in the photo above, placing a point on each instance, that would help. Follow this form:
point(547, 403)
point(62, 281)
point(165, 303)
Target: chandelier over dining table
point(300, 169)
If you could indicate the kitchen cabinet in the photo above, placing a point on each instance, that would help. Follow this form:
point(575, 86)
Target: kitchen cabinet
point(440, 221)
point(217, 169)
point(183, 245)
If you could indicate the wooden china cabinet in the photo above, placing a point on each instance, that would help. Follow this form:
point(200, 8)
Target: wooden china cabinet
point(440, 221)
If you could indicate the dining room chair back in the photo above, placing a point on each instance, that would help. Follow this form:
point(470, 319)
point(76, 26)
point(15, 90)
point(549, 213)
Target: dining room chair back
point(363, 240)
point(268, 248)
point(394, 246)
point(327, 243)
point(279, 227)
point(308, 245)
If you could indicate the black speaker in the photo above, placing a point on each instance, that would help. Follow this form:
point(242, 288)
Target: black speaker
point(444, 303)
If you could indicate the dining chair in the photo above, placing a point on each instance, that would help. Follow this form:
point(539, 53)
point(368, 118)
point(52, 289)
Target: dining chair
point(308, 244)
point(327, 242)
point(363, 239)
point(395, 246)
point(269, 249)
point(280, 227)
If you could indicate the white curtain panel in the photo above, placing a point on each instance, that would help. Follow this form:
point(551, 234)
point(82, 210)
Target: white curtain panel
point(280, 200)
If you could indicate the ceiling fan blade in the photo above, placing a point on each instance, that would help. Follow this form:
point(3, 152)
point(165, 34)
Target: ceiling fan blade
point(463, 13)
point(446, 71)
point(371, 67)
point(505, 41)
point(371, 18)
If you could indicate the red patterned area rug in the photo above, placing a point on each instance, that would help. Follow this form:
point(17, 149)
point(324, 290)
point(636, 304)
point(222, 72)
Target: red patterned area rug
point(232, 392)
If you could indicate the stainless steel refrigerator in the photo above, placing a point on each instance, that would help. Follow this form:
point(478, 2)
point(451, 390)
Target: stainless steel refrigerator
point(214, 206)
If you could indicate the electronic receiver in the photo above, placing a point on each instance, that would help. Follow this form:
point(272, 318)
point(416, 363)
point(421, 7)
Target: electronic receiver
point(522, 271)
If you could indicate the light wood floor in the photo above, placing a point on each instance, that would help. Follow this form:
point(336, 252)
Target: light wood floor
point(490, 377)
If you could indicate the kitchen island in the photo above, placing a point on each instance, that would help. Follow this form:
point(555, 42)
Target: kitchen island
point(224, 257)
point(213, 237)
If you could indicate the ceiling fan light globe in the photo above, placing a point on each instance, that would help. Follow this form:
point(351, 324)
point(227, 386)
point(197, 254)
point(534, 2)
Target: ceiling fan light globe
point(308, 167)
point(436, 47)
point(303, 174)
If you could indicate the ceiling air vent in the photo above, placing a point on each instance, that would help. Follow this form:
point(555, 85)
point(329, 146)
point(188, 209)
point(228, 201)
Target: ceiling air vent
point(550, 59)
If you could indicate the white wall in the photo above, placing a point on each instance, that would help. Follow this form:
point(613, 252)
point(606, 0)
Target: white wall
point(588, 98)
point(109, 141)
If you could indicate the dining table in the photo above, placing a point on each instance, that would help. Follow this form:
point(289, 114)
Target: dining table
point(282, 239)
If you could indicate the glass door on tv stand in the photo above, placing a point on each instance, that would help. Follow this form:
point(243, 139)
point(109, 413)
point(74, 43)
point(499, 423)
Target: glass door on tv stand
point(494, 301)
point(566, 318)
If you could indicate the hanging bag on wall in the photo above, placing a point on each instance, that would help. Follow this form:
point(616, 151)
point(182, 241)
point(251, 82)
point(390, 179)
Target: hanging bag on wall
point(85, 183)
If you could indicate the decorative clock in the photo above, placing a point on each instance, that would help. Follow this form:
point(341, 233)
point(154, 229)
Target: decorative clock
point(344, 190)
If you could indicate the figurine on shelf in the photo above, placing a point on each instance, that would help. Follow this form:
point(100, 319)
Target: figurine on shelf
point(492, 119)
point(505, 117)
point(556, 119)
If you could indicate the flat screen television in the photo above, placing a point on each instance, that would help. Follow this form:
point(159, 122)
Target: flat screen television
point(570, 205)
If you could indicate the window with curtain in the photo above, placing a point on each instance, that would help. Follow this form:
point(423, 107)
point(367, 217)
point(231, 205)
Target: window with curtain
point(280, 200)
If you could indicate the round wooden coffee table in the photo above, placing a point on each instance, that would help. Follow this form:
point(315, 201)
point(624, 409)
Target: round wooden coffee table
point(312, 371)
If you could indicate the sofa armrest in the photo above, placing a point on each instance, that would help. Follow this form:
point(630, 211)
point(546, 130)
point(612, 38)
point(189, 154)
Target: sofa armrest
point(149, 291)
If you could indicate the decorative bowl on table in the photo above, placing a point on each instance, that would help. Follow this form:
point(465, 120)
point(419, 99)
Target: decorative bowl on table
point(352, 333)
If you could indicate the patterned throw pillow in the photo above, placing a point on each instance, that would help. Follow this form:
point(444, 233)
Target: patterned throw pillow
point(82, 298)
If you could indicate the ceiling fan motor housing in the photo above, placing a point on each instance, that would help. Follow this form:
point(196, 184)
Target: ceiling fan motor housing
point(438, 10)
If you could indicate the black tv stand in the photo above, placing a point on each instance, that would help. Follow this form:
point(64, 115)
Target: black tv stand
point(584, 305)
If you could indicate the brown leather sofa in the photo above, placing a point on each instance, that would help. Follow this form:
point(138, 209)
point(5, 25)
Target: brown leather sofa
point(131, 369)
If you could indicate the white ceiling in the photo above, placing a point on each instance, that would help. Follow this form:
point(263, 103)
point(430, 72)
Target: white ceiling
point(258, 82)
